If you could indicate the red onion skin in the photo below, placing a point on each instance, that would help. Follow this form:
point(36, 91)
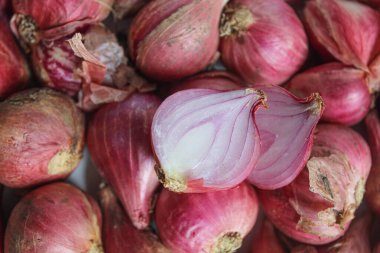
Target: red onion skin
point(195, 222)
point(372, 187)
point(55, 218)
point(14, 72)
point(266, 240)
point(343, 89)
point(126, 8)
point(119, 233)
point(345, 30)
point(329, 140)
point(119, 144)
point(67, 16)
point(166, 29)
point(41, 137)
point(266, 48)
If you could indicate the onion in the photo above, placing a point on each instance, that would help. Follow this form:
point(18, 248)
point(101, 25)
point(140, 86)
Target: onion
point(14, 72)
point(119, 144)
point(125, 8)
point(54, 218)
point(206, 140)
point(262, 40)
point(346, 30)
point(288, 122)
point(343, 89)
point(119, 233)
point(31, 24)
point(208, 222)
point(172, 39)
point(372, 187)
point(41, 137)
point(266, 240)
point(319, 205)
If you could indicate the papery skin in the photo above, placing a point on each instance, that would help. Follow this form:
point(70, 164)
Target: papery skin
point(265, 42)
point(319, 205)
point(14, 71)
point(41, 137)
point(266, 240)
point(172, 39)
point(197, 135)
point(119, 144)
point(344, 91)
point(59, 18)
point(288, 121)
point(372, 194)
point(195, 222)
point(347, 30)
point(118, 232)
point(126, 8)
point(55, 218)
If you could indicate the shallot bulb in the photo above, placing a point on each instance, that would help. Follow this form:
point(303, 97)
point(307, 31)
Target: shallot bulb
point(343, 89)
point(287, 122)
point(372, 187)
point(62, 18)
point(173, 39)
point(119, 144)
point(41, 137)
point(266, 240)
point(346, 30)
point(119, 234)
point(208, 222)
point(55, 218)
point(206, 140)
point(318, 206)
point(14, 72)
point(262, 40)
point(125, 8)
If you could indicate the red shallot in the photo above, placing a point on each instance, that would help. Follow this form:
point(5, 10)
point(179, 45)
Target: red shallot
point(207, 222)
point(343, 89)
point(346, 30)
point(119, 144)
point(55, 218)
point(41, 137)
point(262, 40)
point(266, 240)
point(206, 140)
point(318, 206)
point(173, 39)
point(119, 234)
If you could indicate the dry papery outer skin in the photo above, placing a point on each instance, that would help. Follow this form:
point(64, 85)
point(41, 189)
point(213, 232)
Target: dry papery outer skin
point(266, 241)
point(344, 91)
point(119, 234)
point(41, 137)
point(126, 8)
point(55, 218)
point(262, 40)
point(58, 18)
point(372, 193)
point(14, 72)
point(319, 205)
point(120, 146)
point(172, 39)
point(346, 30)
point(211, 222)
point(206, 140)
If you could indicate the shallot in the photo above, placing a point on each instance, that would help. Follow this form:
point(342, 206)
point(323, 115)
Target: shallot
point(41, 137)
point(207, 222)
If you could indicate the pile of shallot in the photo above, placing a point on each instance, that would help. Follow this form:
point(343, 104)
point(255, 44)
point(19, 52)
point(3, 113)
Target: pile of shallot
point(190, 126)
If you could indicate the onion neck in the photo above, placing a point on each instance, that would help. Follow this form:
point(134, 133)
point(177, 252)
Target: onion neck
point(172, 184)
point(227, 243)
point(235, 19)
point(27, 29)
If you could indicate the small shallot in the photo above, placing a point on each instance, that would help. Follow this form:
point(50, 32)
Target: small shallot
point(41, 137)
point(206, 140)
point(119, 144)
point(262, 40)
point(209, 222)
point(55, 218)
point(318, 206)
